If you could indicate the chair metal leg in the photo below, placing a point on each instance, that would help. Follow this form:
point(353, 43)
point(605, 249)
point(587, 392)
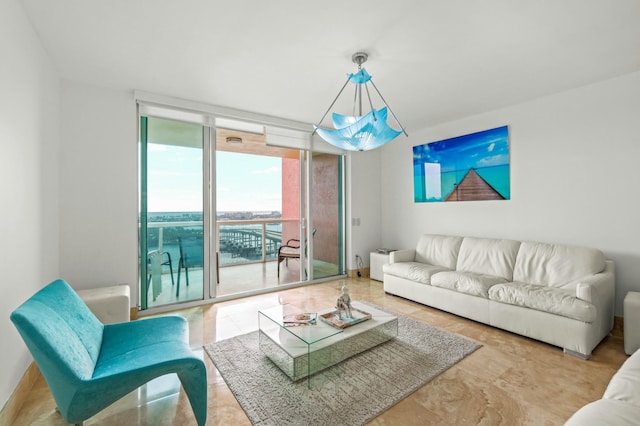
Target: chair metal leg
point(178, 285)
point(171, 272)
point(279, 261)
point(168, 262)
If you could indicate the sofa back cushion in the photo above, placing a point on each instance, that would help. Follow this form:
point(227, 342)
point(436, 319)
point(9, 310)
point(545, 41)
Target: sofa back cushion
point(555, 265)
point(488, 257)
point(438, 250)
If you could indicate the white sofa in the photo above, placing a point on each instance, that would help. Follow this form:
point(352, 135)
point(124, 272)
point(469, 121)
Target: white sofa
point(620, 404)
point(558, 294)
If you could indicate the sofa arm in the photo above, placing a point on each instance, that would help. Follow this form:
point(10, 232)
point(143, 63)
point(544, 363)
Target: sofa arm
point(406, 255)
point(600, 290)
point(597, 286)
point(583, 291)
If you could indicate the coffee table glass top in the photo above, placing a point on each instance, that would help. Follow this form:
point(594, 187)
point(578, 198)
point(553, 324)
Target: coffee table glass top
point(309, 334)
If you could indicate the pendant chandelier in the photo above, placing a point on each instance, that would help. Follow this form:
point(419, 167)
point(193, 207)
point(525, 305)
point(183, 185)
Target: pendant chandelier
point(360, 132)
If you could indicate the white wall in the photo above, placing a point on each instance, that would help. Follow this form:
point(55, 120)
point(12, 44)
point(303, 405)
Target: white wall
point(29, 134)
point(363, 203)
point(574, 163)
point(98, 183)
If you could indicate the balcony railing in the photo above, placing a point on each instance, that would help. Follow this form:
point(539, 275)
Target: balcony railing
point(238, 241)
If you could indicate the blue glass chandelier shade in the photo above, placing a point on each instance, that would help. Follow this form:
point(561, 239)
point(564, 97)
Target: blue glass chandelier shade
point(360, 77)
point(360, 132)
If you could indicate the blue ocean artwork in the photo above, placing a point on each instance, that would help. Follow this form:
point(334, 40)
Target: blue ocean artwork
point(465, 168)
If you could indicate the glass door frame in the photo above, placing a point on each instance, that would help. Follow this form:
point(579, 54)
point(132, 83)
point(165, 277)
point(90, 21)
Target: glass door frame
point(209, 245)
point(210, 273)
point(306, 221)
point(142, 214)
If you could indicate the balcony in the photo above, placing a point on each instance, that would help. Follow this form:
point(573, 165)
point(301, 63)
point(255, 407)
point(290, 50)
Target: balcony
point(247, 254)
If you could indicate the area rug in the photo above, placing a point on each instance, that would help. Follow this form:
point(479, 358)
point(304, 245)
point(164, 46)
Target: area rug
point(356, 391)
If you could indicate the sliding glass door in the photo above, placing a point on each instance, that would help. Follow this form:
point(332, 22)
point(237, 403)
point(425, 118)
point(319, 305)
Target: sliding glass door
point(172, 232)
point(258, 209)
point(230, 208)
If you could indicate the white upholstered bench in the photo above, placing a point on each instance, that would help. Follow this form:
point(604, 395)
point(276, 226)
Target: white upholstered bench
point(109, 304)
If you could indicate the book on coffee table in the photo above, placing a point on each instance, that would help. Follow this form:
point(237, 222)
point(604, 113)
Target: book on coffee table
point(342, 321)
point(299, 319)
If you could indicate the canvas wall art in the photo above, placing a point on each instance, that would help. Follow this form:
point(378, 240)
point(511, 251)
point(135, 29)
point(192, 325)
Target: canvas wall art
point(465, 168)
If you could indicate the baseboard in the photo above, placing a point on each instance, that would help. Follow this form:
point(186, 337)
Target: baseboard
point(618, 324)
point(133, 313)
point(20, 395)
point(353, 273)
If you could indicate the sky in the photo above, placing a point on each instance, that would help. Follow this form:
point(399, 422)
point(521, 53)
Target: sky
point(244, 182)
point(248, 182)
point(476, 150)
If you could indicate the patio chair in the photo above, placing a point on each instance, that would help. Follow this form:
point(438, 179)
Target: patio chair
point(155, 261)
point(191, 255)
point(291, 250)
point(89, 365)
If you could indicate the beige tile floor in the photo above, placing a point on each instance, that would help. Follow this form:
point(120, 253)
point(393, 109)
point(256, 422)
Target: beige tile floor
point(511, 380)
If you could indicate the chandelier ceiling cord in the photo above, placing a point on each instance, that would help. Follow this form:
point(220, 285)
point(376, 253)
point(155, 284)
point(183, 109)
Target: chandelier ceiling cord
point(360, 132)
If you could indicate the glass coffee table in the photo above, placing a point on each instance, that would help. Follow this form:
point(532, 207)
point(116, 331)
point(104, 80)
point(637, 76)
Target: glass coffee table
point(302, 351)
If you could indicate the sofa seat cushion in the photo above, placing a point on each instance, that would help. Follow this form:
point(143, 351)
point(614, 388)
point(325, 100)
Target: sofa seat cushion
point(466, 282)
point(625, 384)
point(414, 271)
point(542, 298)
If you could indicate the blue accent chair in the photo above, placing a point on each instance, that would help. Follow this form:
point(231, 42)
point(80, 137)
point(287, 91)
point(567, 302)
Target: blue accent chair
point(89, 365)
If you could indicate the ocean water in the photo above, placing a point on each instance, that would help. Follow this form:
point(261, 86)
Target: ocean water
point(173, 249)
point(496, 176)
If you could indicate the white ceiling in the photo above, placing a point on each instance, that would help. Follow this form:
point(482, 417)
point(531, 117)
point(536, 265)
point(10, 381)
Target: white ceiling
point(433, 60)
